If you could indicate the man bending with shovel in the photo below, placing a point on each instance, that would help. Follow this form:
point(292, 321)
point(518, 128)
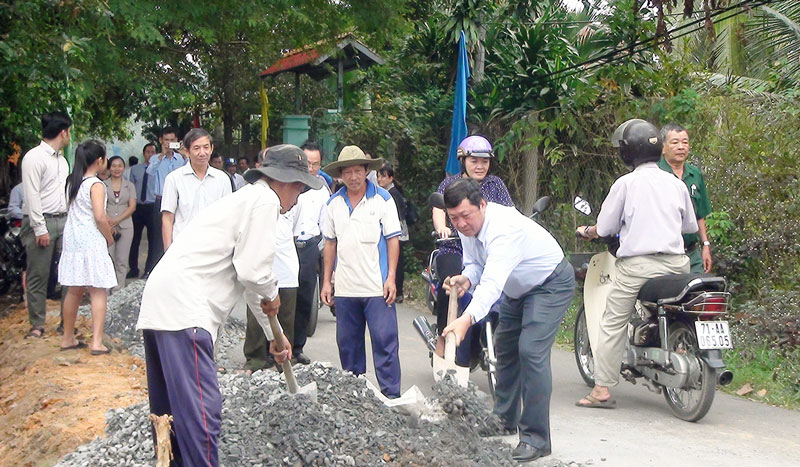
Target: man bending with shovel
point(226, 250)
point(506, 252)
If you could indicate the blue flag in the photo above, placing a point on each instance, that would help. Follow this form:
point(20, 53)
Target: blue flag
point(459, 129)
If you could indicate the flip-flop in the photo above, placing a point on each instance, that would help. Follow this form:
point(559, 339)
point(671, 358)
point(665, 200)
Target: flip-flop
point(595, 403)
point(100, 352)
point(34, 335)
point(79, 345)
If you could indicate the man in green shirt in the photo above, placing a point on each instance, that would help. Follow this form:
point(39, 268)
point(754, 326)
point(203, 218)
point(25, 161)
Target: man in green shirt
point(675, 153)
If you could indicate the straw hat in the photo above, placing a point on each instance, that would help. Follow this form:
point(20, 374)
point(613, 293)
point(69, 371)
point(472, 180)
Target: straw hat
point(348, 157)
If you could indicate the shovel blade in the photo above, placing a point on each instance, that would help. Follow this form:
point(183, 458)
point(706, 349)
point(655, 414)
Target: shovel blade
point(449, 369)
point(309, 390)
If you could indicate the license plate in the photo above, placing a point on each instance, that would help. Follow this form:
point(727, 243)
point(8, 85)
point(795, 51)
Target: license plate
point(713, 335)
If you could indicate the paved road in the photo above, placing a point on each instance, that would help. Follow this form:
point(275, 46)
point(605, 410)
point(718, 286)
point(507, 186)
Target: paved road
point(641, 431)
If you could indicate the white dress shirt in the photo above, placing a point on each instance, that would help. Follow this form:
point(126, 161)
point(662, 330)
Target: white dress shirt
point(650, 209)
point(227, 250)
point(44, 180)
point(185, 194)
point(511, 254)
point(308, 215)
point(287, 264)
point(16, 201)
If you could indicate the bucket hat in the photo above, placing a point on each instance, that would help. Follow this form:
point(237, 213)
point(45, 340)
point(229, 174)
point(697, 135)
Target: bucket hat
point(348, 157)
point(285, 163)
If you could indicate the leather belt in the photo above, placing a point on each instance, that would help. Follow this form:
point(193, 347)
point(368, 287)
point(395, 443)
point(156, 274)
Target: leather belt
point(309, 241)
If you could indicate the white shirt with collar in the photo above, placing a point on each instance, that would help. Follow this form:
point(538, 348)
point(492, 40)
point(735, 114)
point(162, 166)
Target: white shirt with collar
point(361, 231)
point(649, 209)
point(238, 181)
point(185, 194)
point(308, 215)
point(287, 264)
point(226, 251)
point(511, 254)
point(44, 179)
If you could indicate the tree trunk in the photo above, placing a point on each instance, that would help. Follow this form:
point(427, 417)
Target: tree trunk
point(530, 168)
point(480, 57)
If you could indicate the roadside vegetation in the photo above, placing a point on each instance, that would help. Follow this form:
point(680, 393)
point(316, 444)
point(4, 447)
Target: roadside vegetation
point(548, 86)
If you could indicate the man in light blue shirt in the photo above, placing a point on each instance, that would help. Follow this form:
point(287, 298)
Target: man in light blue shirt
point(158, 169)
point(15, 201)
point(506, 252)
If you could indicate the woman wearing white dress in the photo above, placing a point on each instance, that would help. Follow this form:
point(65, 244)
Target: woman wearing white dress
point(85, 262)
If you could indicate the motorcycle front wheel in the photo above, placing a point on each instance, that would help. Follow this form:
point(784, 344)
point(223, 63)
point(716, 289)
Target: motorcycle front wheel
point(583, 350)
point(693, 402)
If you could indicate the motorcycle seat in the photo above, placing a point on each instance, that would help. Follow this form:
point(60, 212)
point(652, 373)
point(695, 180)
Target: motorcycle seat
point(673, 287)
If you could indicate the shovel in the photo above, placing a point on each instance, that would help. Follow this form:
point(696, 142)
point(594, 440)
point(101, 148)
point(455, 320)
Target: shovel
point(446, 367)
point(309, 390)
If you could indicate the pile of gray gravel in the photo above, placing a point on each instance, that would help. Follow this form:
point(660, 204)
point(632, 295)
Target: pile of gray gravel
point(263, 426)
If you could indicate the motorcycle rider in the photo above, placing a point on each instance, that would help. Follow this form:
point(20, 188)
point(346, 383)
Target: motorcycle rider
point(649, 211)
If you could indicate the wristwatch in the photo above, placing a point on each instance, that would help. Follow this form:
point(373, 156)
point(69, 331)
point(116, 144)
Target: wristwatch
point(706, 243)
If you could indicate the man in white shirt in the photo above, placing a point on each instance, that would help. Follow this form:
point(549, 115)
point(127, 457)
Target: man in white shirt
point(44, 178)
point(361, 229)
point(168, 160)
point(506, 252)
point(188, 190)
point(649, 209)
point(226, 251)
point(286, 268)
point(308, 217)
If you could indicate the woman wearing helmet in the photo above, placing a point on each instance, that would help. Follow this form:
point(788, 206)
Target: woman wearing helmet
point(476, 155)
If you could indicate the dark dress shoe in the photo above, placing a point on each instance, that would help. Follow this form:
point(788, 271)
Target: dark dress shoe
point(132, 274)
point(524, 452)
point(302, 359)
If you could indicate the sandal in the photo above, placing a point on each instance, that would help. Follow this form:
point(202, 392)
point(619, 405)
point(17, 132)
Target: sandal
point(595, 403)
point(100, 352)
point(32, 333)
point(79, 345)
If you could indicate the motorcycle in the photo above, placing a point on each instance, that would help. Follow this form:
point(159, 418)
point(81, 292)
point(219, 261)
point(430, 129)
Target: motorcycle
point(675, 335)
point(482, 349)
point(12, 255)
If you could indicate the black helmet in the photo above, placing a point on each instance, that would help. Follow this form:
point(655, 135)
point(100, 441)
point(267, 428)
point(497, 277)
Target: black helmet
point(638, 142)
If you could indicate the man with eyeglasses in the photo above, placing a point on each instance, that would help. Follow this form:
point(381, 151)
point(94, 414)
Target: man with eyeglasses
point(307, 218)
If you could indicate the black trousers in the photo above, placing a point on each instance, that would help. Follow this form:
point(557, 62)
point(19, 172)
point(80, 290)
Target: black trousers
point(309, 260)
point(142, 219)
point(400, 274)
point(447, 264)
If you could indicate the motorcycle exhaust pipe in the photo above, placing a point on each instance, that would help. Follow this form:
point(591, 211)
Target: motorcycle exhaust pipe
point(725, 378)
point(425, 331)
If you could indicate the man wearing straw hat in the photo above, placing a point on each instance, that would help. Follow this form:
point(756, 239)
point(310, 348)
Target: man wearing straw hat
point(361, 232)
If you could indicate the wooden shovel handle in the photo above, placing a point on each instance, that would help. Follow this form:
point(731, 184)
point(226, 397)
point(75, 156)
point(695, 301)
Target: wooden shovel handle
point(452, 314)
point(277, 335)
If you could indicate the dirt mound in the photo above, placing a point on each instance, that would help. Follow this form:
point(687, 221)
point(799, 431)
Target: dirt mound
point(51, 402)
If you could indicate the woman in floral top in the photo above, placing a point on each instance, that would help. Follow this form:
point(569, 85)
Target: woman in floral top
point(475, 154)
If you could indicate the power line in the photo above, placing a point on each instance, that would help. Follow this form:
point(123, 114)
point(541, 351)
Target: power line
point(621, 53)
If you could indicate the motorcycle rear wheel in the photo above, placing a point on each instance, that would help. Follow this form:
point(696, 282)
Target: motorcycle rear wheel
point(690, 404)
point(583, 350)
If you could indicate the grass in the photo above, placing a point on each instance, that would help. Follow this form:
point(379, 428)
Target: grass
point(773, 371)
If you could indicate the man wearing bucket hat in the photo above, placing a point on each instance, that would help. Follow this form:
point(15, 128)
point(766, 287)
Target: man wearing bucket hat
point(226, 250)
point(361, 233)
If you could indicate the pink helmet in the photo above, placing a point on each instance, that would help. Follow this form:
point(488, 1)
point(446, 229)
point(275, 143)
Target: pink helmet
point(475, 146)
